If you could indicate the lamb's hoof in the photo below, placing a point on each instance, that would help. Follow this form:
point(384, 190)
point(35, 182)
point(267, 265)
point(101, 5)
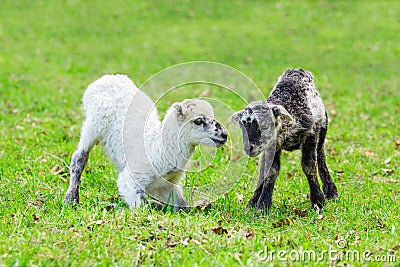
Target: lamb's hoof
point(330, 191)
point(167, 207)
point(318, 202)
point(252, 204)
point(71, 199)
point(332, 195)
point(181, 209)
point(156, 205)
point(262, 209)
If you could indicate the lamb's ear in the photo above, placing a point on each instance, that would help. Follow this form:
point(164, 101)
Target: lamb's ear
point(180, 111)
point(235, 117)
point(280, 111)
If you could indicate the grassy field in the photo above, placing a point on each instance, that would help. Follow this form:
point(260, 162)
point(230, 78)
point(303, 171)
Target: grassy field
point(51, 50)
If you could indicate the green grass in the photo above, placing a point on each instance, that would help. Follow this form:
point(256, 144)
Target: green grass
point(51, 50)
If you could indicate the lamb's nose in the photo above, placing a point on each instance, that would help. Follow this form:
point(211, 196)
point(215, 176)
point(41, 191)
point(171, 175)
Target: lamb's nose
point(251, 148)
point(224, 135)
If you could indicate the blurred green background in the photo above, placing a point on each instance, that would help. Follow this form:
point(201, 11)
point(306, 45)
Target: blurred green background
point(51, 50)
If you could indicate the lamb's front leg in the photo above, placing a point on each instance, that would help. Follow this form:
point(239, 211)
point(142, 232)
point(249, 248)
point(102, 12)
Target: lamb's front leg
point(256, 195)
point(130, 189)
point(309, 165)
point(78, 161)
point(264, 200)
point(177, 201)
point(169, 194)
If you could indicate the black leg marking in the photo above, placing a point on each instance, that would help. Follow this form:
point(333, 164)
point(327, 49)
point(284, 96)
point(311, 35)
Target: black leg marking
point(78, 161)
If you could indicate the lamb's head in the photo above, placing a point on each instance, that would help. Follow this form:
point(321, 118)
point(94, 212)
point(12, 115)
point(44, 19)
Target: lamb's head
point(260, 123)
point(195, 119)
point(297, 74)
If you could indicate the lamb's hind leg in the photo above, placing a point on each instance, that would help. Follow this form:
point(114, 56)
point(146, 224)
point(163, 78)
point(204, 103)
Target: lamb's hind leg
point(309, 165)
point(78, 161)
point(329, 187)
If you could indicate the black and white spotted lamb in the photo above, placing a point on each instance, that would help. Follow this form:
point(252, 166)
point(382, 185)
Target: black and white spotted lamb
point(293, 117)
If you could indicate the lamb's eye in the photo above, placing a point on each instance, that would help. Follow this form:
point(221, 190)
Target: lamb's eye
point(198, 121)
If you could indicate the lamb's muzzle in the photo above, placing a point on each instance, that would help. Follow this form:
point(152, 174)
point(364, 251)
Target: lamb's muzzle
point(220, 134)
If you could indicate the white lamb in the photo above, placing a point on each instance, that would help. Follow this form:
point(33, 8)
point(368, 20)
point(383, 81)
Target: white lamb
point(150, 155)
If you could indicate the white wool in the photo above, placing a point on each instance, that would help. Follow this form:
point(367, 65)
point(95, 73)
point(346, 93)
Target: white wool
point(155, 153)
